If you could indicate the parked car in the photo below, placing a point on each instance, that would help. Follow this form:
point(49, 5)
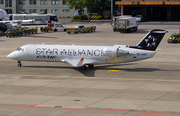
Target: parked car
point(58, 27)
point(174, 38)
point(140, 18)
point(117, 13)
point(76, 14)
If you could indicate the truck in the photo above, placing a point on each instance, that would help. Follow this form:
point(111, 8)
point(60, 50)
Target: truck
point(125, 24)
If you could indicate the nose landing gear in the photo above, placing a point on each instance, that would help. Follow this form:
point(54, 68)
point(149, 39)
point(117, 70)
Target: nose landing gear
point(19, 64)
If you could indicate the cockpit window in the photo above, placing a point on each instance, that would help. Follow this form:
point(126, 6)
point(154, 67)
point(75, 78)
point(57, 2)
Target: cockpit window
point(19, 49)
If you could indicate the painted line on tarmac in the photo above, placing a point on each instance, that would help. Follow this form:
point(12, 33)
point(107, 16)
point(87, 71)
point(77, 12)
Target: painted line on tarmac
point(74, 108)
point(168, 47)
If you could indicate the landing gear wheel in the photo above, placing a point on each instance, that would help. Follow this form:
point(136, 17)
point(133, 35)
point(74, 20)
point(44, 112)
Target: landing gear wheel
point(90, 66)
point(83, 68)
point(19, 64)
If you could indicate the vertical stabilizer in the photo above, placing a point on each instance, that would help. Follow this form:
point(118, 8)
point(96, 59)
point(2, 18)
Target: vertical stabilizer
point(151, 40)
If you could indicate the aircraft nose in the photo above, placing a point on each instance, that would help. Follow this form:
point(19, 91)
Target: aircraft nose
point(12, 55)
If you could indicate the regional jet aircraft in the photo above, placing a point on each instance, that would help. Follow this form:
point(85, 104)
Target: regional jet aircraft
point(83, 56)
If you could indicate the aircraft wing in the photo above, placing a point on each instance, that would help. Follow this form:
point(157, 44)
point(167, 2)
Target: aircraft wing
point(80, 62)
point(75, 62)
point(18, 21)
point(5, 22)
point(23, 21)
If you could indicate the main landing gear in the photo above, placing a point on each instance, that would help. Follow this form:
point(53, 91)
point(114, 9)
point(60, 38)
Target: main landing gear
point(89, 66)
point(19, 64)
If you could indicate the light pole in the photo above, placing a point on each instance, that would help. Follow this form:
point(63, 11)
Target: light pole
point(111, 11)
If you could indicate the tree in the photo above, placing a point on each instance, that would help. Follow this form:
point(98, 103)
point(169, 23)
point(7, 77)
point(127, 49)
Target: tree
point(103, 4)
point(81, 4)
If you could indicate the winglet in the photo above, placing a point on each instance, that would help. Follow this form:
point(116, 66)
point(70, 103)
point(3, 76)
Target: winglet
point(80, 62)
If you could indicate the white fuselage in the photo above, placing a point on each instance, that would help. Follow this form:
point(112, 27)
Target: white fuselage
point(73, 53)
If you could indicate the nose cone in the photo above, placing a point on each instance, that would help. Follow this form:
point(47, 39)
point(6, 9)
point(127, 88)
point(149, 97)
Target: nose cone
point(11, 55)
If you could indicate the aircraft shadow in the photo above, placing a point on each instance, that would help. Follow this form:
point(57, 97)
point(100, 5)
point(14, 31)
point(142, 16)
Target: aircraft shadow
point(91, 72)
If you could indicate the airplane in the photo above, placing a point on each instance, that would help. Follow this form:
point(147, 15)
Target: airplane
point(6, 24)
point(83, 56)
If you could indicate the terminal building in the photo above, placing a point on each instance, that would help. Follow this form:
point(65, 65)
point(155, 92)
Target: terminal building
point(151, 10)
point(58, 7)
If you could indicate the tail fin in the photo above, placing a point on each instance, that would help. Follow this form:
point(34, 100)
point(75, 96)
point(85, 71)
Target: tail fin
point(151, 40)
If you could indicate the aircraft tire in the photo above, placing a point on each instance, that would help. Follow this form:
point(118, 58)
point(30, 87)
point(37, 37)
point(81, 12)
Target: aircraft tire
point(90, 65)
point(55, 30)
point(83, 68)
point(19, 65)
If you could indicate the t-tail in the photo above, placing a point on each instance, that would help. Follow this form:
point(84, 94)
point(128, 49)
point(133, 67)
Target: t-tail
point(151, 40)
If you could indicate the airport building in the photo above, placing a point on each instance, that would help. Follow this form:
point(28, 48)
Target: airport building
point(58, 7)
point(152, 10)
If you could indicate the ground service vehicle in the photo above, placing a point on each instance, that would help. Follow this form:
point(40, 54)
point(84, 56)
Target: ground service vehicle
point(58, 27)
point(34, 30)
point(37, 18)
point(81, 29)
point(174, 38)
point(73, 30)
point(14, 32)
point(95, 16)
point(125, 24)
point(45, 29)
point(10, 32)
point(88, 29)
point(21, 31)
point(26, 30)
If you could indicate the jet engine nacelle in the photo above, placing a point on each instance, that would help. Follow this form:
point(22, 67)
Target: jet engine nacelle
point(114, 51)
point(6, 26)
